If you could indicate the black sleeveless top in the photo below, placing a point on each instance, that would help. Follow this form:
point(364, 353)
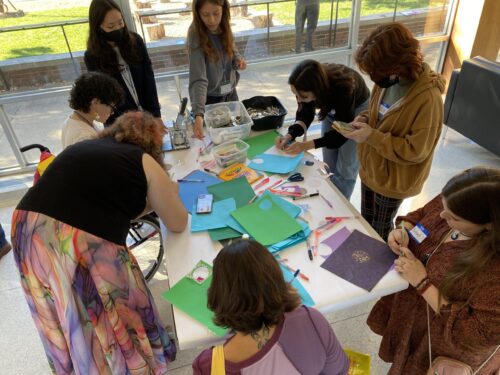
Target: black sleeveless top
point(97, 186)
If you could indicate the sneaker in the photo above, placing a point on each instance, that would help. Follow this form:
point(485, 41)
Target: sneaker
point(5, 249)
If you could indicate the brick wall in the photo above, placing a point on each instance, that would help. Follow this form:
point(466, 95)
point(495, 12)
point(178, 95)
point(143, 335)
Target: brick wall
point(56, 70)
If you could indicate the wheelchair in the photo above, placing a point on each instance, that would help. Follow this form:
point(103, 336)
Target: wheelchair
point(144, 238)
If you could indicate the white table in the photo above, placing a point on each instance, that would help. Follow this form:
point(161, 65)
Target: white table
point(330, 292)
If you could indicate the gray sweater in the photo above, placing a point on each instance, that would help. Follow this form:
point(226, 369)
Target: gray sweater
point(205, 77)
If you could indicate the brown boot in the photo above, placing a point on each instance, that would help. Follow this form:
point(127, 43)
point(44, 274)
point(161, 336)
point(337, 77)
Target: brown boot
point(5, 249)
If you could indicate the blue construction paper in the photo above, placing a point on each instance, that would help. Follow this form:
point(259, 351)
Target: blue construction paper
point(287, 206)
point(232, 223)
point(275, 163)
point(304, 295)
point(293, 240)
point(189, 191)
point(216, 219)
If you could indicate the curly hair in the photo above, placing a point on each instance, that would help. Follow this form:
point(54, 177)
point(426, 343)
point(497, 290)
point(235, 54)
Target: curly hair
point(390, 49)
point(94, 85)
point(97, 46)
point(312, 76)
point(248, 290)
point(138, 128)
point(473, 195)
point(201, 30)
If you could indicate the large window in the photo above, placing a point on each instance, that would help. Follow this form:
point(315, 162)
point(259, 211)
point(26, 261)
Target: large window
point(42, 51)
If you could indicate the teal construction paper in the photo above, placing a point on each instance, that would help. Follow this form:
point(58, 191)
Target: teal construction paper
point(293, 240)
point(287, 206)
point(304, 295)
point(275, 163)
point(216, 219)
point(239, 189)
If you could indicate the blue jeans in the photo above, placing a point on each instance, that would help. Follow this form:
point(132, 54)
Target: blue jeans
point(3, 240)
point(343, 162)
point(305, 9)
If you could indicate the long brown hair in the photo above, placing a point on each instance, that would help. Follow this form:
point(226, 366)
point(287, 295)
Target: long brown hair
point(320, 79)
point(201, 30)
point(137, 128)
point(248, 290)
point(390, 49)
point(473, 195)
point(100, 49)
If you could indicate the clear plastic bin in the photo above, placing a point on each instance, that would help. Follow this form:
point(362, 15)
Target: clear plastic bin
point(230, 152)
point(237, 128)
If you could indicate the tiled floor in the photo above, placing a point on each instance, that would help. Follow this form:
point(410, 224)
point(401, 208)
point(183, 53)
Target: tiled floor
point(21, 351)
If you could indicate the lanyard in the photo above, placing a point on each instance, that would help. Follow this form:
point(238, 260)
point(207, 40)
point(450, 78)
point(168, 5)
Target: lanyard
point(127, 77)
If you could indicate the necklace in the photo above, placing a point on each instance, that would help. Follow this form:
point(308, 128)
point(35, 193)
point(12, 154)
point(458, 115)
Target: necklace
point(83, 118)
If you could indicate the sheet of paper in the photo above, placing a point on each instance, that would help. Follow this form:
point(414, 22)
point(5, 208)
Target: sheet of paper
point(223, 234)
point(266, 221)
point(290, 208)
point(293, 240)
point(361, 260)
point(260, 143)
point(189, 191)
point(216, 219)
point(304, 295)
point(275, 163)
point(239, 189)
point(191, 297)
point(334, 241)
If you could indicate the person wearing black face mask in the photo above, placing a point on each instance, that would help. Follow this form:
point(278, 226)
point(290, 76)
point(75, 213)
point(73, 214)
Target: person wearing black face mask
point(114, 50)
point(398, 133)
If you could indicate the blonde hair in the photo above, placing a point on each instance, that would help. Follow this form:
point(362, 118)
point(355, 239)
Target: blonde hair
point(137, 128)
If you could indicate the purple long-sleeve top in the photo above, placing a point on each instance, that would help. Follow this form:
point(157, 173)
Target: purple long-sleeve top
point(303, 343)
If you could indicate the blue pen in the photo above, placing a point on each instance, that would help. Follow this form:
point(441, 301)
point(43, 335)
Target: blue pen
point(296, 274)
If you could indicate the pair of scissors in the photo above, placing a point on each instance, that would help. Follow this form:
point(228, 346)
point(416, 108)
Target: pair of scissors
point(296, 177)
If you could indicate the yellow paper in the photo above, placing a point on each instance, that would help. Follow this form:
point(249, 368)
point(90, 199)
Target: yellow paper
point(359, 363)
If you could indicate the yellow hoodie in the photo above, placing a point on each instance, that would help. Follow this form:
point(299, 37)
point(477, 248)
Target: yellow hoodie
point(396, 159)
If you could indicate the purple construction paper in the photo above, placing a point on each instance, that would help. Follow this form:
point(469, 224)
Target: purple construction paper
point(361, 260)
point(336, 239)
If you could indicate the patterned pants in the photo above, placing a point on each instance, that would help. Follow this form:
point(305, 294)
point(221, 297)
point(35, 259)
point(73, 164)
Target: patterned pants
point(89, 300)
point(379, 211)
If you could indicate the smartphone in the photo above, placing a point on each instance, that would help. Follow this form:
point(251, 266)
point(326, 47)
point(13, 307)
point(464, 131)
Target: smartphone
point(204, 203)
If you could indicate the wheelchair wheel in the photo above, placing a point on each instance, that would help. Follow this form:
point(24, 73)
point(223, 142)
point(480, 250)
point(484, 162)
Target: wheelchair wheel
point(145, 242)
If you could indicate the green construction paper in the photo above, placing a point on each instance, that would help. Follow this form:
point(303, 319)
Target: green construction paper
point(191, 297)
point(260, 143)
point(265, 221)
point(223, 234)
point(239, 189)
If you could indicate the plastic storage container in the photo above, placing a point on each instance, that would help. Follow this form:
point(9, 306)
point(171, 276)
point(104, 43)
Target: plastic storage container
point(222, 130)
point(269, 121)
point(230, 152)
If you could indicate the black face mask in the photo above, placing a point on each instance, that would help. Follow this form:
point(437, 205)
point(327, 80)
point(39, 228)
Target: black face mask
point(387, 82)
point(114, 36)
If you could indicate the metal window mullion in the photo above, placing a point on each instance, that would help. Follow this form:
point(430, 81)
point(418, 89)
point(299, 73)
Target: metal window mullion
point(354, 28)
point(12, 138)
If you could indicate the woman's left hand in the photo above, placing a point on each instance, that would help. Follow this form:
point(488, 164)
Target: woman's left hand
point(298, 147)
point(410, 268)
point(360, 134)
point(242, 64)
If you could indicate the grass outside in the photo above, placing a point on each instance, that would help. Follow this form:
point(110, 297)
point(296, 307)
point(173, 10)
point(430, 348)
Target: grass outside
point(51, 40)
point(43, 41)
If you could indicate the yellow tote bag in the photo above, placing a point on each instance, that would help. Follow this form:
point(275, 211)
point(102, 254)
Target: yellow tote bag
point(218, 361)
point(359, 363)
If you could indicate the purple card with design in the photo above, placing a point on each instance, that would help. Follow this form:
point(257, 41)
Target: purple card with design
point(335, 240)
point(361, 260)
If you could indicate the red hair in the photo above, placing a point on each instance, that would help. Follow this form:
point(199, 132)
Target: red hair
point(390, 49)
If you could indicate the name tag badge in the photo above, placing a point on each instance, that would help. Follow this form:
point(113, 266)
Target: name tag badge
point(419, 233)
point(383, 108)
point(225, 89)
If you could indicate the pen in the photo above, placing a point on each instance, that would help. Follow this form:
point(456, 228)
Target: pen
point(188, 180)
point(309, 251)
point(401, 254)
point(326, 201)
point(296, 274)
point(305, 196)
point(253, 199)
point(300, 274)
point(316, 243)
point(262, 183)
point(211, 172)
